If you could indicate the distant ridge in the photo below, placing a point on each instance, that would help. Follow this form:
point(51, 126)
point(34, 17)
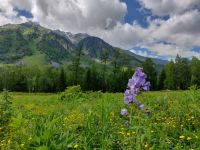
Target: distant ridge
point(33, 43)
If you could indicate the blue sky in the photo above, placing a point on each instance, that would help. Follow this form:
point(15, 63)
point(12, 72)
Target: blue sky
point(138, 14)
point(135, 13)
point(162, 29)
point(25, 13)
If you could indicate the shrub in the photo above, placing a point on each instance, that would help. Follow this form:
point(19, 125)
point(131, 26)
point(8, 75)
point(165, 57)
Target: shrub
point(5, 113)
point(71, 93)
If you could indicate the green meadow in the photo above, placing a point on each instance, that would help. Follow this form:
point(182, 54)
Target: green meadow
point(92, 120)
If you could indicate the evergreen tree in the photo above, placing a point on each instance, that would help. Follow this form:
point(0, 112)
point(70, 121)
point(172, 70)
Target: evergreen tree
point(87, 85)
point(125, 75)
point(62, 80)
point(114, 76)
point(170, 76)
point(182, 73)
point(95, 80)
point(116, 62)
point(195, 71)
point(31, 74)
point(104, 59)
point(104, 56)
point(76, 66)
point(161, 79)
point(125, 62)
point(150, 70)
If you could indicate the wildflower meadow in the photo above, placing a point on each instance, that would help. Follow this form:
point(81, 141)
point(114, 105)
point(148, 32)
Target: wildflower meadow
point(139, 119)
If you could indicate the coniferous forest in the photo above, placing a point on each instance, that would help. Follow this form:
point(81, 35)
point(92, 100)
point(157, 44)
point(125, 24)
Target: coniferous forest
point(175, 75)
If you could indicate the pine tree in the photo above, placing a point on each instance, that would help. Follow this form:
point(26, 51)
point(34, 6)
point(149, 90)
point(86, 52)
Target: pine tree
point(114, 75)
point(62, 80)
point(116, 62)
point(150, 70)
point(195, 72)
point(104, 59)
point(161, 79)
point(182, 73)
point(76, 66)
point(169, 82)
point(87, 85)
point(95, 79)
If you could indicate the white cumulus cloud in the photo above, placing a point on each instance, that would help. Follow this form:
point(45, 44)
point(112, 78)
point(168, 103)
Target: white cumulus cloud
point(169, 7)
point(105, 19)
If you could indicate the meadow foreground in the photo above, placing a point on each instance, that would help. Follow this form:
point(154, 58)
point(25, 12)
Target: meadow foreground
point(76, 120)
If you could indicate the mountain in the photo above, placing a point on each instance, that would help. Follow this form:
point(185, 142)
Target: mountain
point(33, 44)
point(94, 47)
point(74, 38)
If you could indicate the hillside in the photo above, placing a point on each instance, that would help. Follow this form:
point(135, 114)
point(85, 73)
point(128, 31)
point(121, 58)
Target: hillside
point(34, 44)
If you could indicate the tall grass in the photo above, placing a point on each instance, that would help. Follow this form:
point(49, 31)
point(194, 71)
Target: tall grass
point(93, 121)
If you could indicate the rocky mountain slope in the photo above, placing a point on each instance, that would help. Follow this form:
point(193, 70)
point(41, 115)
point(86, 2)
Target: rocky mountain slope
point(33, 43)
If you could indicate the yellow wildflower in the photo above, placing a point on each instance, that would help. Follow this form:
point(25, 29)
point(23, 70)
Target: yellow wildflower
point(122, 132)
point(9, 141)
point(112, 114)
point(146, 146)
point(76, 146)
point(126, 143)
point(168, 142)
point(189, 138)
point(182, 137)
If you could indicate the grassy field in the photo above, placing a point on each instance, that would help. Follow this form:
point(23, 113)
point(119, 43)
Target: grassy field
point(93, 121)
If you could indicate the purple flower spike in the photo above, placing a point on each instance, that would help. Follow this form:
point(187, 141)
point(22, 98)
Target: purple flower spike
point(146, 86)
point(124, 112)
point(129, 98)
point(135, 84)
point(140, 106)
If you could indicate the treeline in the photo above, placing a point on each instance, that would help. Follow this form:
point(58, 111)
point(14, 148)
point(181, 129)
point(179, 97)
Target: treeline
point(111, 75)
point(30, 79)
point(50, 79)
point(179, 74)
